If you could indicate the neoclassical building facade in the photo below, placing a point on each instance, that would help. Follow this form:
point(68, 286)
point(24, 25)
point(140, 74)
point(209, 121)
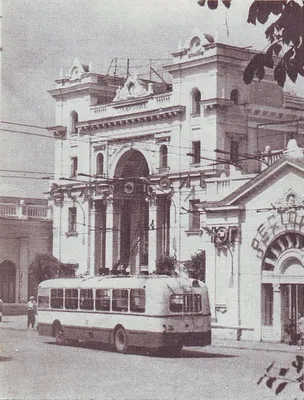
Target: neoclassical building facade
point(144, 169)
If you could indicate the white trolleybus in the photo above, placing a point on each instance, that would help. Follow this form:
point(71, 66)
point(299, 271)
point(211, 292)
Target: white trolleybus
point(160, 312)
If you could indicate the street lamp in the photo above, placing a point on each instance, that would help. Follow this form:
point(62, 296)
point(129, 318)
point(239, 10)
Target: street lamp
point(211, 232)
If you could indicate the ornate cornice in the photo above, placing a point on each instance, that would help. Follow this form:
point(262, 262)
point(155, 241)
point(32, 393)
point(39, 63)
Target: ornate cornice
point(135, 118)
point(59, 131)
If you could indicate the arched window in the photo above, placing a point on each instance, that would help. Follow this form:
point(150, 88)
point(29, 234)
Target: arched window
point(163, 156)
point(196, 102)
point(234, 96)
point(99, 164)
point(74, 120)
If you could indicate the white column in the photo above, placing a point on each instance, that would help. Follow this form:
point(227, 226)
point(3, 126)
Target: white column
point(152, 234)
point(22, 283)
point(277, 325)
point(109, 233)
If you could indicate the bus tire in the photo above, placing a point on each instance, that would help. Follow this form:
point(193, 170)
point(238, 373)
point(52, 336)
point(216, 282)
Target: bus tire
point(121, 340)
point(59, 335)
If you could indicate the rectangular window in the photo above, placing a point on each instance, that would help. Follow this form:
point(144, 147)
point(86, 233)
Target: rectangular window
point(194, 216)
point(71, 299)
point(234, 151)
point(43, 301)
point(56, 298)
point(138, 300)
point(86, 299)
point(102, 300)
point(267, 304)
point(185, 302)
point(120, 300)
point(72, 219)
point(74, 166)
point(196, 150)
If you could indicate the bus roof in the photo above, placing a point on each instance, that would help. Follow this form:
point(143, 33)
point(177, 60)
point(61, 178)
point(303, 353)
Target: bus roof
point(119, 282)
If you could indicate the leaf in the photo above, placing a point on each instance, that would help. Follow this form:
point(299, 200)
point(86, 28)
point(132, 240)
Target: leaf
point(201, 3)
point(227, 3)
point(302, 386)
point(252, 14)
point(280, 387)
point(277, 48)
point(263, 13)
point(248, 75)
point(260, 73)
point(292, 73)
point(212, 4)
point(268, 61)
point(270, 382)
point(261, 378)
point(283, 371)
point(280, 74)
point(301, 378)
point(269, 367)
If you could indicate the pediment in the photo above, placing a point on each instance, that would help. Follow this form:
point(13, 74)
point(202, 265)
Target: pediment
point(267, 180)
point(133, 88)
point(77, 70)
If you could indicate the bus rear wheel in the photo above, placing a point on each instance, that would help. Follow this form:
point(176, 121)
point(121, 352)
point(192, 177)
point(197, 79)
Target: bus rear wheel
point(121, 340)
point(59, 335)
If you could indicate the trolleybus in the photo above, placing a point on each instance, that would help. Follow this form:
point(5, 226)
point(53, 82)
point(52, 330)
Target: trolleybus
point(159, 312)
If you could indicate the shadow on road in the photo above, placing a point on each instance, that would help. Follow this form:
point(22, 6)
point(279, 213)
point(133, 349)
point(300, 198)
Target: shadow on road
point(185, 353)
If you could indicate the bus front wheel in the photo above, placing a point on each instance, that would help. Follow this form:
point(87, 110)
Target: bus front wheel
point(59, 335)
point(121, 340)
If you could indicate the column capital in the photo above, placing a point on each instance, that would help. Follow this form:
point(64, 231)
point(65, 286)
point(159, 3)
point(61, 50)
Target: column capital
point(276, 287)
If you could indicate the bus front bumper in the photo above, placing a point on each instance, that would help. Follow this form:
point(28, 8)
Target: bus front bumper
point(187, 339)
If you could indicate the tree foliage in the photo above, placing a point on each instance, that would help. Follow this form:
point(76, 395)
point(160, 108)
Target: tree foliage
point(285, 52)
point(165, 265)
point(277, 378)
point(46, 266)
point(196, 266)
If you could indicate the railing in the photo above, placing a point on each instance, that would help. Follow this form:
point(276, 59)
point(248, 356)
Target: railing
point(270, 158)
point(131, 105)
point(23, 211)
point(219, 188)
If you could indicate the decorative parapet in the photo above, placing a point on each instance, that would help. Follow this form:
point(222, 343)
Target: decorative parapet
point(25, 211)
point(129, 106)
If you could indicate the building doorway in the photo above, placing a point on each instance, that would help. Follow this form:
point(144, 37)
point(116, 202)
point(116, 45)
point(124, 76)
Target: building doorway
point(7, 281)
point(292, 302)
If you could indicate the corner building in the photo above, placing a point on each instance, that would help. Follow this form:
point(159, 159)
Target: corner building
point(147, 168)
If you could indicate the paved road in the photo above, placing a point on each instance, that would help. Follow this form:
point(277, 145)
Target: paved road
point(33, 367)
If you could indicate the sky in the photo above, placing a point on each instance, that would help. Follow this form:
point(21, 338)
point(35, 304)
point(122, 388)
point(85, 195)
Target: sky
point(42, 36)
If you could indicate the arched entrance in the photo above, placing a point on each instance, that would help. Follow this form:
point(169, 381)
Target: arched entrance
point(7, 281)
point(131, 210)
point(282, 284)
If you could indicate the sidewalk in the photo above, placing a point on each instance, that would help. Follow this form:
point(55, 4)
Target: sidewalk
point(19, 322)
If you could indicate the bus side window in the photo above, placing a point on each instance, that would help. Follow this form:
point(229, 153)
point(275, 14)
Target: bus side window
point(43, 301)
point(86, 299)
point(120, 300)
point(71, 299)
point(138, 300)
point(102, 300)
point(56, 298)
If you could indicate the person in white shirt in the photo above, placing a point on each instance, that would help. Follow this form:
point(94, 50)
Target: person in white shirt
point(31, 312)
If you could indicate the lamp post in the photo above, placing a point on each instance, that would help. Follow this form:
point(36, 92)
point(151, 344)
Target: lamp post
point(211, 232)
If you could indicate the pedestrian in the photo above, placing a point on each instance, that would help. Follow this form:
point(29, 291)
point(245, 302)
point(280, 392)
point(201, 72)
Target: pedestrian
point(1, 309)
point(31, 312)
point(300, 330)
